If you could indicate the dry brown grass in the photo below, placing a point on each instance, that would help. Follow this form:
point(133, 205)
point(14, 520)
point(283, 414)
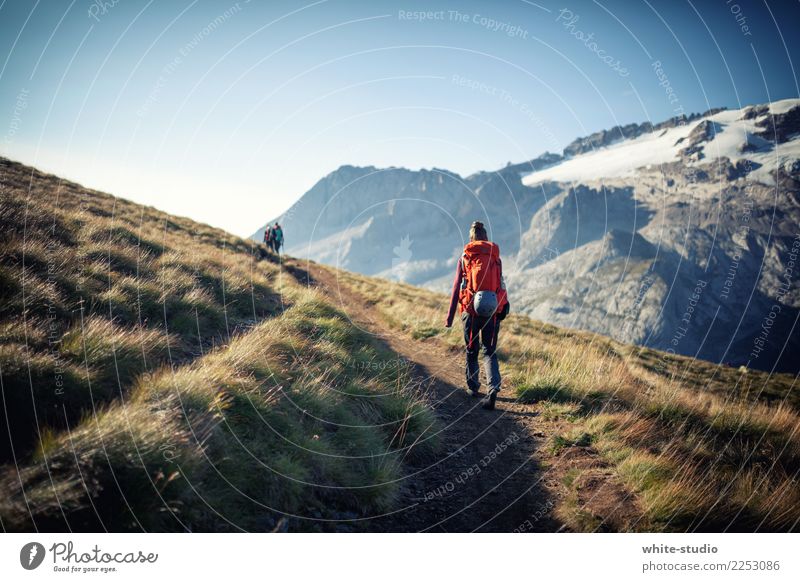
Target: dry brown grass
point(161, 375)
point(192, 370)
point(689, 439)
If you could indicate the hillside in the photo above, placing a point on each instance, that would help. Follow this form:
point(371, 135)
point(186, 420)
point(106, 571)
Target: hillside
point(613, 235)
point(161, 375)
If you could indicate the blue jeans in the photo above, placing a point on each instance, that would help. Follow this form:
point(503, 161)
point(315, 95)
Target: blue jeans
point(481, 332)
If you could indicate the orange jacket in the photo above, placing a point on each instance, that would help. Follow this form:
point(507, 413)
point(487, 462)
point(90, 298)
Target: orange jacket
point(467, 282)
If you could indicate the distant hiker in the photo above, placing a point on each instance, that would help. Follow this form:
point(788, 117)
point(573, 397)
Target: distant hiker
point(277, 237)
point(268, 236)
point(480, 292)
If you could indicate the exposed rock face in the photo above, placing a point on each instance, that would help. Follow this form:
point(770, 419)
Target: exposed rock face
point(607, 137)
point(695, 249)
point(700, 276)
point(406, 225)
point(703, 133)
point(780, 128)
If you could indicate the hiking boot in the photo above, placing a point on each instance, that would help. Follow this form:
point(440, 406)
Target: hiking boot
point(489, 401)
point(473, 392)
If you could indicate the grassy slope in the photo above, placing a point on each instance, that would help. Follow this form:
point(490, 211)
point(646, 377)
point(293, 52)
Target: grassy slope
point(699, 446)
point(159, 374)
point(162, 375)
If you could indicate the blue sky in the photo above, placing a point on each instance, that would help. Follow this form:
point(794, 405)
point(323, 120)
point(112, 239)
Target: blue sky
point(228, 112)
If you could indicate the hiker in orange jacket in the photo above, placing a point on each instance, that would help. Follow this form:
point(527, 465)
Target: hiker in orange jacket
point(480, 293)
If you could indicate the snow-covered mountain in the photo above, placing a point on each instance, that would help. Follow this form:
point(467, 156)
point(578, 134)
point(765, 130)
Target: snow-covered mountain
point(738, 135)
point(683, 235)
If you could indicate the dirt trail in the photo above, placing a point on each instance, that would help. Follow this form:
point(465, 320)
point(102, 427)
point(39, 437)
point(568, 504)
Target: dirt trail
point(487, 476)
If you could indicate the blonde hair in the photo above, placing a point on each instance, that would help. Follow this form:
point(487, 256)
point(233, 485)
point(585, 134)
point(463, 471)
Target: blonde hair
point(477, 232)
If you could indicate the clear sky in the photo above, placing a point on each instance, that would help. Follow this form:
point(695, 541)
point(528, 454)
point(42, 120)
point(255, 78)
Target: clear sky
point(228, 112)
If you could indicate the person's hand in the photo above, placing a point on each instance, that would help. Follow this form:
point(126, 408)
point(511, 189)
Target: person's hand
point(504, 313)
point(448, 324)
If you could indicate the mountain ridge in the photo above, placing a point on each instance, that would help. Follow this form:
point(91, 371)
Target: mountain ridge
point(700, 188)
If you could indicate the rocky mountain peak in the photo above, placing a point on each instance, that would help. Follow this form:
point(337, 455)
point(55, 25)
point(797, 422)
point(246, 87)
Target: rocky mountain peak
point(620, 229)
